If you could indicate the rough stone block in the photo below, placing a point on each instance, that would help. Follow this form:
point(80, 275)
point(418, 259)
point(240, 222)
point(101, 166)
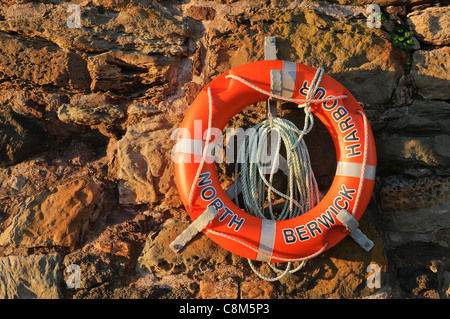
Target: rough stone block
point(30, 277)
point(431, 74)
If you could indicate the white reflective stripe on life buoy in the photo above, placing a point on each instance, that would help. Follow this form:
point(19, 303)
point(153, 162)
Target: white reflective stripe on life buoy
point(289, 78)
point(350, 169)
point(267, 239)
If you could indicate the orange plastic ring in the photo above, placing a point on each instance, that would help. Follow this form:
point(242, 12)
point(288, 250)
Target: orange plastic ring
point(293, 238)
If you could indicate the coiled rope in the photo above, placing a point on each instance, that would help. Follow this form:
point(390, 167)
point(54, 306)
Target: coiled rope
point(302, 192)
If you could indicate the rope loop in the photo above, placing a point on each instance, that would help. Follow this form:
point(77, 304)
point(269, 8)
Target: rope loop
point(280, 97)
point(253, 165)
point(302, 192)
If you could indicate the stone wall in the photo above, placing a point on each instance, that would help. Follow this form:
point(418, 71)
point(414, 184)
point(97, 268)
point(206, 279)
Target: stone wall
point(88, 202)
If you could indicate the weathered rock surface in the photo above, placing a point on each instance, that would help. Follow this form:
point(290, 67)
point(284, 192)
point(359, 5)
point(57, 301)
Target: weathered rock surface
point(431, 73)
point(338, 273)
point(39, 63)
point(54, 218)
point(30, 277)
point(201, 13)
point(132, 51)
point(446, 284)
point(427, 117)
point(426, 219)
point(93, 271)
point(403, 94)
point(20, 138)
point(106, 114)
point(123, 236)
point(431, 25)
point(347, 50)
point(418, 280)
point(415, 138)
point(410, 153)
point(146, 169)
point(383, 2)
point(219, 290)
point(257, 290)
point(408, 194)
point(151, 29)
point(124, 72)
point(198, 256)
point(416, 210)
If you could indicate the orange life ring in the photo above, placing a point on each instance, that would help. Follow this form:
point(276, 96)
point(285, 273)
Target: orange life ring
point(292, 239)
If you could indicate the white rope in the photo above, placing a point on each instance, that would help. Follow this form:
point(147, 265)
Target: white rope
point(364, 163)
point(302, 190)
point(280, 97)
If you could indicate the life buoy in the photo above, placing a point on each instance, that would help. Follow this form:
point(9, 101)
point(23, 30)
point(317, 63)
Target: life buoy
point(292, 239)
